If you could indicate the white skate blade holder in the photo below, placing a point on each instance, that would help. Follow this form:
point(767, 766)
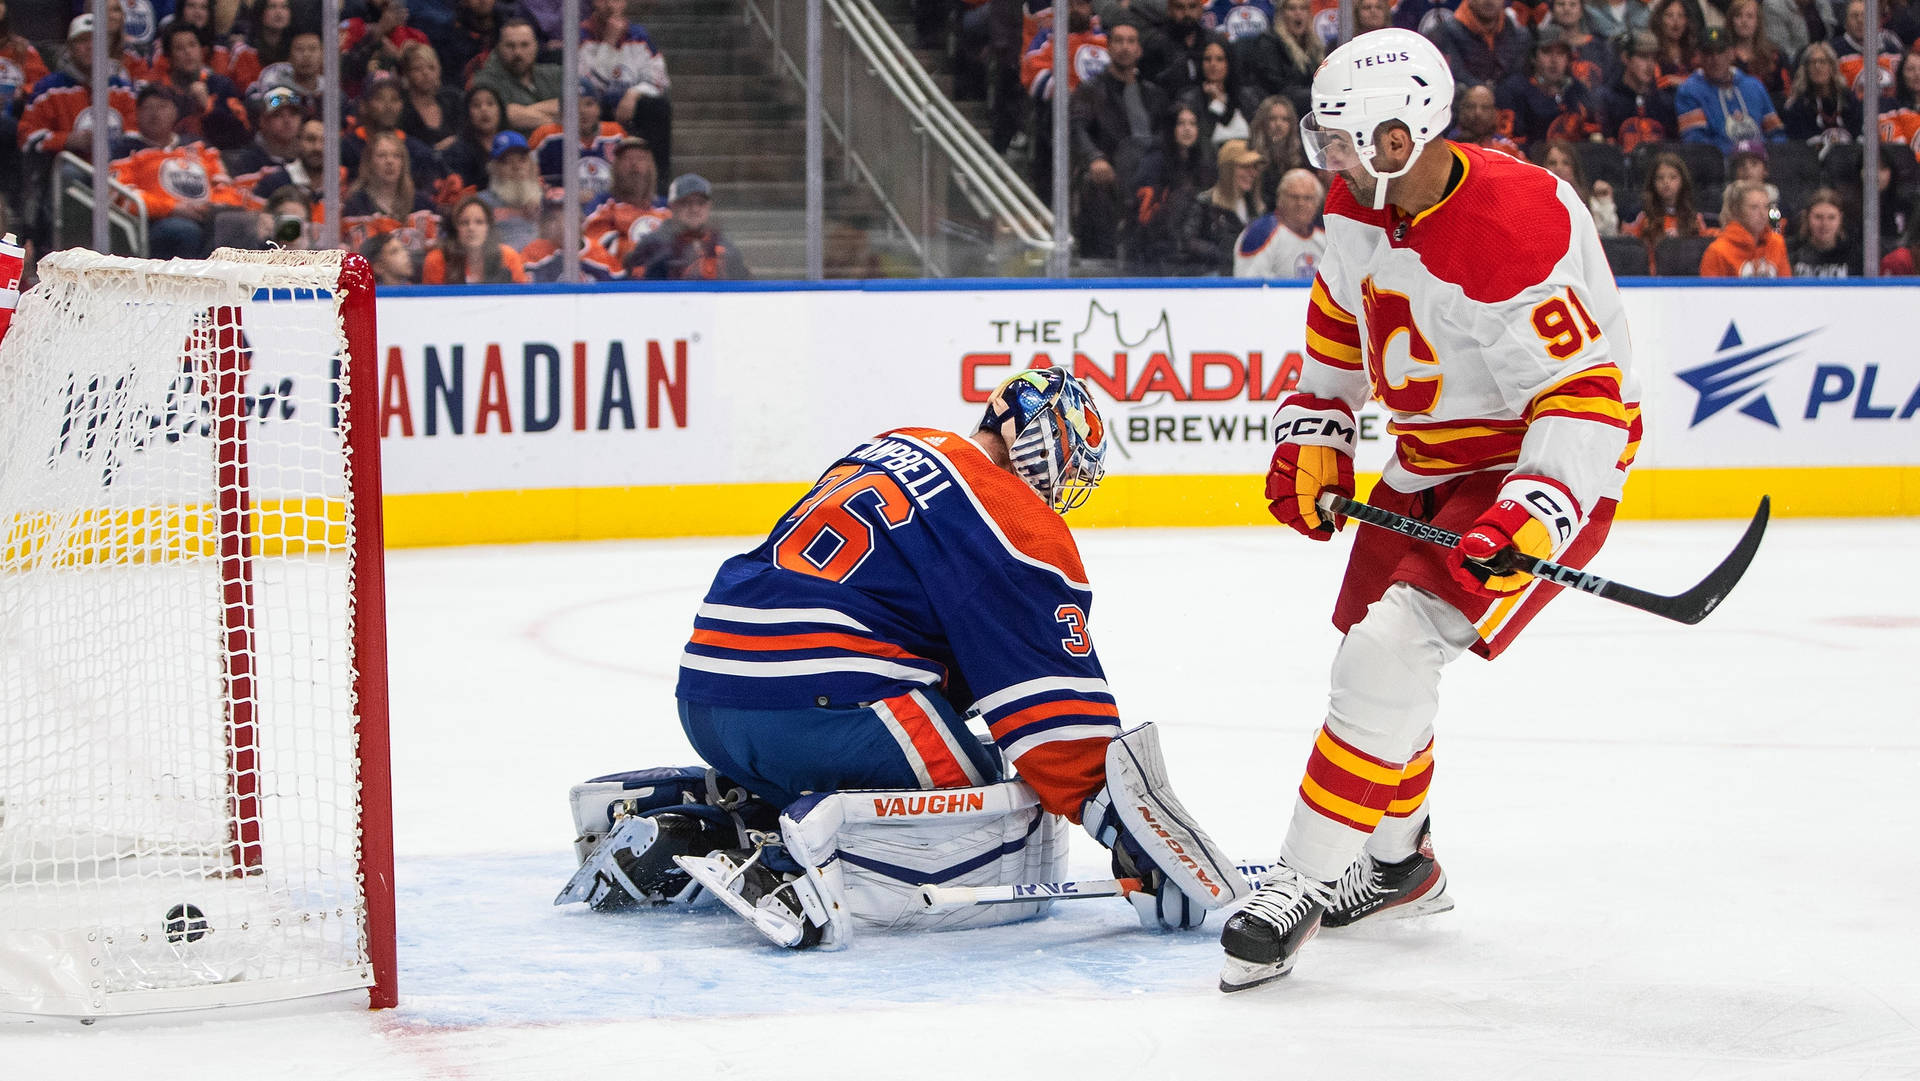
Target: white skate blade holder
point(717, 873)
point(1155, 818)
point(588, 882)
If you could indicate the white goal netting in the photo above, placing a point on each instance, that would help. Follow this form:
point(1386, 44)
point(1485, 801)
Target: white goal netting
point(179, 780)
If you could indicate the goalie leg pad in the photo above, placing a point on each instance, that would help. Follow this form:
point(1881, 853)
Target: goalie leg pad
point(869, 852)
point(1144, 802)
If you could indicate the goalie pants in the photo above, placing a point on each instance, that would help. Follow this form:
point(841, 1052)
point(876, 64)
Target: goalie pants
point(913, 741)
point(1405, 618)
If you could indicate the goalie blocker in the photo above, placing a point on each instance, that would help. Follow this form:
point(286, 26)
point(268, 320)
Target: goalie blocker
point(845, 860)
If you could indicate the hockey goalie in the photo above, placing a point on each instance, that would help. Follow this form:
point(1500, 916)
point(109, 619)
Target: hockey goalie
point(927, 576)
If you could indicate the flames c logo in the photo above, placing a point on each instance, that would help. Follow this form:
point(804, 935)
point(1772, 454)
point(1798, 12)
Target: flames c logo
point(1387, 316)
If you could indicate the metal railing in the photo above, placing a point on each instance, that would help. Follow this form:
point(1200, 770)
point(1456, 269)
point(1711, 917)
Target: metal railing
point(72, 192)
point(956, 203)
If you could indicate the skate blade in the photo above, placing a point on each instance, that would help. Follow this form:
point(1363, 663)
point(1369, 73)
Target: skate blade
point(1238, 975)
point(716, 874)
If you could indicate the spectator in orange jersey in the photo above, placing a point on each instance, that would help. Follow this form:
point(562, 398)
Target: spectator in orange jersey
point(59, 102)
point(597, 140)
point(133, 55)
point(1851, 47)
point(469, 252)
point(1901, 126)
point(210, 106)
point(631, 209)
point(1666, 206)
point(1086, 58)
point(1547, 102)
point(20, 68)
point(180, 184)
point(1747, 246)
point(542, 256)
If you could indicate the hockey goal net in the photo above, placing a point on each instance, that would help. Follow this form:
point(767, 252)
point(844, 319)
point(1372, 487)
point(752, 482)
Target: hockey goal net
point(194, 801)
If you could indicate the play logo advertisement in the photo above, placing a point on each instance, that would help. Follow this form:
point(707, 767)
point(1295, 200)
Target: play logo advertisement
point(1737, 377)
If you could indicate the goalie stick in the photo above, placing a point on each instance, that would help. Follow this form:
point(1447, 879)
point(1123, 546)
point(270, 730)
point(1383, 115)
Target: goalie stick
point(1690, 607)
point(947, 898)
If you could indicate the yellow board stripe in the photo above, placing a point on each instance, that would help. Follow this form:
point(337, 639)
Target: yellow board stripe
point(1367, 816)
point(1353, 763)
point(135, 535)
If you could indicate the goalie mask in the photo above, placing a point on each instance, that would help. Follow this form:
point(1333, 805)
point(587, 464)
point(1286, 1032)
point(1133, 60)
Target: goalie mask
point(1055, 437)
point(1385, 75)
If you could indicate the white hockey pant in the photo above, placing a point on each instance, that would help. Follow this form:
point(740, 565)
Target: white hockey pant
point(1386, 691)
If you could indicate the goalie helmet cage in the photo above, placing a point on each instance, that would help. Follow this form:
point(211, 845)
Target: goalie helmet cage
point(195, 807)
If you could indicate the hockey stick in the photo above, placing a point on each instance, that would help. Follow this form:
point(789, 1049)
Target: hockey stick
point(948, 898)
point(1690, 607)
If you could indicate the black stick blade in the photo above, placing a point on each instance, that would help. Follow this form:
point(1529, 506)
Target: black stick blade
point(1697, 603)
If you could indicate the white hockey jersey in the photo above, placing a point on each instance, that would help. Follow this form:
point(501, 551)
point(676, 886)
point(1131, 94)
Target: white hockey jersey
point(1489, 325)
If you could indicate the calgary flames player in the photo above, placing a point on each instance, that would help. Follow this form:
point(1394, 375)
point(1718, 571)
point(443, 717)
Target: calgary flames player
point(1468, 293)
point(13, 263)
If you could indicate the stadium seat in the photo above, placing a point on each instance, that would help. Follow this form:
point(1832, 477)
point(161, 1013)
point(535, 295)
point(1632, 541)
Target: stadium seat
point(1602, 161)
point(1626, 256)
point(1679, 256)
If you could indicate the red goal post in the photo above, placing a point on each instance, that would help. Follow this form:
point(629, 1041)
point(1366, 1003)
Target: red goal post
point(195, 801)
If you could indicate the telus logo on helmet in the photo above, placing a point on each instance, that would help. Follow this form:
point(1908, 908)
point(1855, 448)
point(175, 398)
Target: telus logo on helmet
point(1381, 58)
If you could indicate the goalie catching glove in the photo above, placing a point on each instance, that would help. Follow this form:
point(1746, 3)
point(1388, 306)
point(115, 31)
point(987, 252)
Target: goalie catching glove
point(1184, 874)
point(1314, 455)
point(1533, 519)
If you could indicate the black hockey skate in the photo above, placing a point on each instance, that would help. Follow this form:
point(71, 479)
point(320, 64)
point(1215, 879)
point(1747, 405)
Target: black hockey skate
point(1415, 886)
point(1262, 938)
point(633, 864)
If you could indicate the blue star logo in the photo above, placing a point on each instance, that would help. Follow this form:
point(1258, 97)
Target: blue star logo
point(1733, 377)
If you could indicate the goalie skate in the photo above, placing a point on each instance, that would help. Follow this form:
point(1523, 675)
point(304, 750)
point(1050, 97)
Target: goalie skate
point(1415, 886)
point(785, 908)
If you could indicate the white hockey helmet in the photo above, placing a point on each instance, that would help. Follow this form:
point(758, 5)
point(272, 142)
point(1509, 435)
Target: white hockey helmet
point(1390, 74)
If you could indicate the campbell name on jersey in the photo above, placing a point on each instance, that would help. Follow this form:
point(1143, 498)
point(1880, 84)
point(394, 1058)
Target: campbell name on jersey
point(915, 562)
point(1489, 325)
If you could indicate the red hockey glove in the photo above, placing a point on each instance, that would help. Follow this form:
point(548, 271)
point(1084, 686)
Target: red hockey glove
point(1314, 455)
point(1534, 518)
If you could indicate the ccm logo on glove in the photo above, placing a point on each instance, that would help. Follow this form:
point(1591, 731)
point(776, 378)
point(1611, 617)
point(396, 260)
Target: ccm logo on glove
point(1531, 521)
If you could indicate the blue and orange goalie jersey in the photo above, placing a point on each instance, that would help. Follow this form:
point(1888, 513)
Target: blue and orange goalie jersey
point(916, 563)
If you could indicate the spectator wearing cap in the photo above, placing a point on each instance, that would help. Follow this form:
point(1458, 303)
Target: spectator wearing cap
point(268, 40)
point(431, 112)
point(621, 66)
point(481, 116)
point(378, 112)
point(391, 260)
point(529, 90)
point(513, 190)
point(1723, 106)
point(180, 184)
point(542, 254)
point(1481, 44)
point(598, 138)
point(1635, 109)
point(1548, 103)
point(374, 42)
point(1476, 119)
point(631, 209)
point(306, 168)
point(1611, 18)
point(302, 69)
point(276, 138)
point(1747, 246)
point(688, 247)
point(59, 103)
point(471, 251)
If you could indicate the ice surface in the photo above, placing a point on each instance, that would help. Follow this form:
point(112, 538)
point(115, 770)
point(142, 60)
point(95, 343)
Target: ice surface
point(1678, 853)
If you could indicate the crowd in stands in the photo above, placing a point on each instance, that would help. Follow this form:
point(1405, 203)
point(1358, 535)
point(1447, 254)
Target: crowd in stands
point(451, 144)
point(1671, 120)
